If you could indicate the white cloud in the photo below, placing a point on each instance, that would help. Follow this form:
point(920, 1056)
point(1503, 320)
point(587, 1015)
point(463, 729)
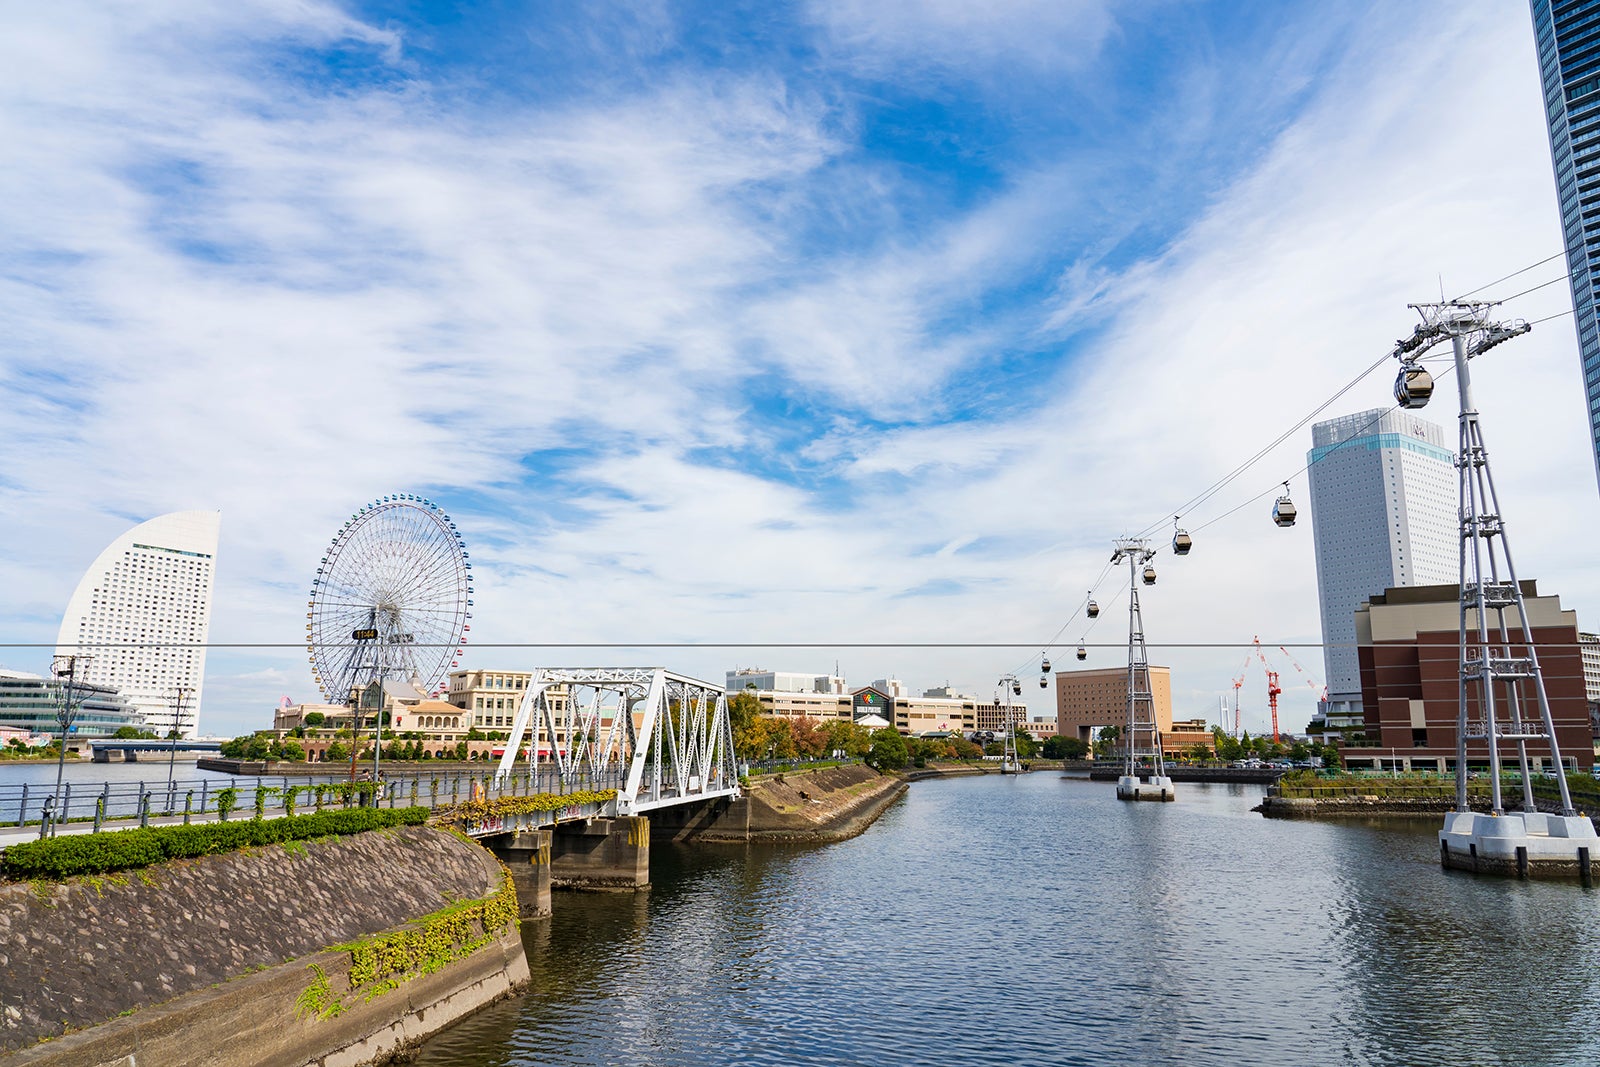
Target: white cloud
point(407, 299)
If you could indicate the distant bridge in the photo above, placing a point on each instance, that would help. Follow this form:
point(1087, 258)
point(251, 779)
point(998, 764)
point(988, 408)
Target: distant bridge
point(131, 749)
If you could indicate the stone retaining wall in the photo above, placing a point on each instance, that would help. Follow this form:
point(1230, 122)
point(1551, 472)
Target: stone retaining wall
point(76, 954)
point(818, 806)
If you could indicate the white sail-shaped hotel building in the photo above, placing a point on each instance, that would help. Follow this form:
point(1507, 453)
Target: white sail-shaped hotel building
point(140, 616)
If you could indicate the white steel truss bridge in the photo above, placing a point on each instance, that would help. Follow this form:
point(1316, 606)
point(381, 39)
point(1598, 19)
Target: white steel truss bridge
point(664, 737)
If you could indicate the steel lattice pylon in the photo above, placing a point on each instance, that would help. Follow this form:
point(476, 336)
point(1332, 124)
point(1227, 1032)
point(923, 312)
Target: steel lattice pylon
point(1009, 763)
point(662, 738)
point(1498, 661)
point(1142, 734)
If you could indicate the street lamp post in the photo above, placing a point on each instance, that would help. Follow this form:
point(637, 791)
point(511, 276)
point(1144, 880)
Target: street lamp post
point(172, 741)
point(66, 715)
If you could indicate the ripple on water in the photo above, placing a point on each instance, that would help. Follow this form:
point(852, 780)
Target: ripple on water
point(1037, 920)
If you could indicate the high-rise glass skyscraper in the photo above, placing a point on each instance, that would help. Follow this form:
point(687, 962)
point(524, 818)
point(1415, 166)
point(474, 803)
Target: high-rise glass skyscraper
point(141, 614)
point(1567, 33)
point(1383, 511)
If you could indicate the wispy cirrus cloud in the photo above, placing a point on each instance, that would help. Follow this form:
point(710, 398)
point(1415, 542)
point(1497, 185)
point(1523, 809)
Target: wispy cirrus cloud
point(723, 350)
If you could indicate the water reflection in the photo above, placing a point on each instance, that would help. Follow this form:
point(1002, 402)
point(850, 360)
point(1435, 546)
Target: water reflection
point(1037, 920)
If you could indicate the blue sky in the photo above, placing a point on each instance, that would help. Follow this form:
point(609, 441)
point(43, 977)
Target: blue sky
point(831, 322)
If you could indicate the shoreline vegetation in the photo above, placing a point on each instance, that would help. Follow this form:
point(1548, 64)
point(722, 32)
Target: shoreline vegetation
point(1308, 795)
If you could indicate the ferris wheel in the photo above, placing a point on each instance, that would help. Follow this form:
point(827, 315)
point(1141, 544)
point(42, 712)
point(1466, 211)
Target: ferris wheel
point(391, 599)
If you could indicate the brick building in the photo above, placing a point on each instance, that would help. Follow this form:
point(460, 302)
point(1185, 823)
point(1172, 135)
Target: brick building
point(1090, 699)
point(1408, 643)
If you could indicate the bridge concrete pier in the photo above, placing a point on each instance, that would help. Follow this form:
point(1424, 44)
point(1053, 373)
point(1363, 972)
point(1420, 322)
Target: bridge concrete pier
point(526, 855)
point(601, 853)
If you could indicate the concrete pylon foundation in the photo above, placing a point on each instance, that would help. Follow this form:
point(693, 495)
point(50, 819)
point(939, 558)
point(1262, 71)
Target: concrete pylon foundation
point(601, 853)
point(1528, 844)
point(526, 855)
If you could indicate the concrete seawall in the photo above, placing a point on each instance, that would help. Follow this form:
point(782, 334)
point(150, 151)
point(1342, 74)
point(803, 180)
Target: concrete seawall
point(211, 961)
point(813, 807)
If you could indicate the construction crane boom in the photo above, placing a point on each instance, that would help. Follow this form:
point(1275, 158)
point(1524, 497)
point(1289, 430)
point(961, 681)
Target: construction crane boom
point(1273, 689)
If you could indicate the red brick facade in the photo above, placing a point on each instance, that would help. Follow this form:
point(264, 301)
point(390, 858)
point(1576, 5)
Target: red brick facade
point(1410, 682)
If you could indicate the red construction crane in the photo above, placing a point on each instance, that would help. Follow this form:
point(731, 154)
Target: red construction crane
point(1320, 690)
point(1273, 689)
point(1238, 681)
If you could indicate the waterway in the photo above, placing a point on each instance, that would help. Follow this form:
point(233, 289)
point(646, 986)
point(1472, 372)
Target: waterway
point(1037, 920)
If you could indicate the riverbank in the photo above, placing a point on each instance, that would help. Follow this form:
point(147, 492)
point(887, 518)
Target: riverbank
point(226, 959)
point(1372, 805)
point(1302, 796)
point(801, 807)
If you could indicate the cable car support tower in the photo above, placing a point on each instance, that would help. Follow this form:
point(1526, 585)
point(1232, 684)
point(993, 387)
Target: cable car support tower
point(1142, 733)
point(1499, 665)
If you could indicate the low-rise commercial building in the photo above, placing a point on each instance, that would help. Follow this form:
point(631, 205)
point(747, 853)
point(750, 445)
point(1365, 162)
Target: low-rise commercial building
point(1408, 640)
point(31, 702)
point(792, 694)
point(938, 710)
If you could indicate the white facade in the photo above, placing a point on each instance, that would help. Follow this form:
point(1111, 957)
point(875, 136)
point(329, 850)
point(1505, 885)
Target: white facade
point(141, 615)
point(782, 681)
point(1589, 648)
point(1384, 512)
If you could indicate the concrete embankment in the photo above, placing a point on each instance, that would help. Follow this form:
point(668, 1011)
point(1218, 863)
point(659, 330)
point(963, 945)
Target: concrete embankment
point(1373, 805)
point(819, 806)
point(226, 959)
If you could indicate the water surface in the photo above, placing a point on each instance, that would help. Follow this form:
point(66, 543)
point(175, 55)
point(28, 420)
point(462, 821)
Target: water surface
point(1039, 920)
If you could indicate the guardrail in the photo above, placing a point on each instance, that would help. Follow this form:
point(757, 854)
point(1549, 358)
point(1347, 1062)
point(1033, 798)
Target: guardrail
point(121, 802)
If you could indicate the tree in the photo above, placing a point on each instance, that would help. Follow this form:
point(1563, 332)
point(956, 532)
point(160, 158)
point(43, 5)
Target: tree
point(961, 748)
point(1065, 748)
point(294, 752)
point(131, 733)
point(315, 718)
point(843, 736)
point(337, 752)
point(749, 729)
point(474, 734)
point(461, 750)
point(1027, 747)
point(888, 751)
point(1227, 748)
point(810, 739)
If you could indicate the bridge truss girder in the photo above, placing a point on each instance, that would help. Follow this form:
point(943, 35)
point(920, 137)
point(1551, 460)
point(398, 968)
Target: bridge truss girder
point(666, 734)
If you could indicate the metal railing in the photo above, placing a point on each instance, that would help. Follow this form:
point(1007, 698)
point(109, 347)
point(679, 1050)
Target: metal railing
point(122, 802)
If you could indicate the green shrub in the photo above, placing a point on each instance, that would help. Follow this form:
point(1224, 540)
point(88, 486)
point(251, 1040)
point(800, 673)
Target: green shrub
point(121, 850)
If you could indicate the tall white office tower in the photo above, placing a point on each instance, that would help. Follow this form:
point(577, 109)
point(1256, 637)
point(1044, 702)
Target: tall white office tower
point(1383, 508)
point(139, 618)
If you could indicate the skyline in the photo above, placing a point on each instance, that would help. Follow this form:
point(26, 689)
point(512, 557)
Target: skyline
point(825, 322)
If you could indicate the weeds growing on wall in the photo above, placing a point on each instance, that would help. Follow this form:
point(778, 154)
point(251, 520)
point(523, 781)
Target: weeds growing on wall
point(385, 962)
point(474, 812)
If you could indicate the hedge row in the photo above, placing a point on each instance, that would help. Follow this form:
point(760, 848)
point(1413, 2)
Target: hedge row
point(121, 850)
